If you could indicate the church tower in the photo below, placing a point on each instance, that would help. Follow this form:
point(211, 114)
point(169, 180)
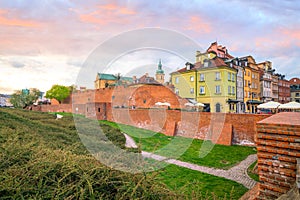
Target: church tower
point(160, 74)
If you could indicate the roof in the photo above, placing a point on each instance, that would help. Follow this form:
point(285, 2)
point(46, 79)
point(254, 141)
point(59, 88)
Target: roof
point(145, 79)
point(107, 76)
point(215, 62)
point(124, 78)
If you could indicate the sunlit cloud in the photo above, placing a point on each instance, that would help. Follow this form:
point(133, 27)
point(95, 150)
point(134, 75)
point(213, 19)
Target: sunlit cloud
point(198, 25)
point(14, 21)
point(45, 37)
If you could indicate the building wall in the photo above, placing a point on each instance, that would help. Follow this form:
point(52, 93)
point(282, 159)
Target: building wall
point(278, 148)
point(102, 83)
point(184, 83)
point(247, 82)
point(275, 95)
point(266, 87)
point(284, 91)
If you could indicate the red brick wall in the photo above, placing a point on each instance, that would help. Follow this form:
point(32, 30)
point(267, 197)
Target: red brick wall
point(141, 96)
point(56, 108)
point(278, 145)
point(219, 127)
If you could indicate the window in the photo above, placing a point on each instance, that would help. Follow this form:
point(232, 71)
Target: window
point(218, 89)
point(202, 78)
point(248, 73)
point(192, 90)
point(231, 106)
point(98, 109)
point(229, 89)
point(202, 90)
point(205, 63)
point(218, 107)
point(253, 75)
point(177, 80)
point(176, 91)
point(218, 76)
point(229, 76)
point(297, 94)
point(233, 77)
point(233, 90)
point(192, 78)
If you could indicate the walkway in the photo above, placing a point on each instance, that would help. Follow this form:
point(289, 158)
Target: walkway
point(237, 173)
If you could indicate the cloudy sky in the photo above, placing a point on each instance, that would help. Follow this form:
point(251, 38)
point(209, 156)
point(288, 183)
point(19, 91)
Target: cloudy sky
point(47, 42)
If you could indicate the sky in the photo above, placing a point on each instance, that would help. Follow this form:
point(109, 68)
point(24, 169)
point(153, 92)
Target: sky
point(49, 42)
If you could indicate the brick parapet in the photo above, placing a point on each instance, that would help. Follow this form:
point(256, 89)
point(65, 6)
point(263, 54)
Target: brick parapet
point(278, 149)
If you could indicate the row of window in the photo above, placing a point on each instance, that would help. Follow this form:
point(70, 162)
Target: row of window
point(248, 73)
point(248, 94)
point(231, 77)
point(231, 90)
point(253, 85)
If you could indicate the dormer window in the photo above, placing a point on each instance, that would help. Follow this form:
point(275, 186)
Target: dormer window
point(205, 63)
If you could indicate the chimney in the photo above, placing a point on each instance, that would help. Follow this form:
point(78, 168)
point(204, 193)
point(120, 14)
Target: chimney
point(147, 75)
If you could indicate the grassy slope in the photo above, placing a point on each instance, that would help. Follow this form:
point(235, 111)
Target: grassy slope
point(41, 157)
point(219, 157)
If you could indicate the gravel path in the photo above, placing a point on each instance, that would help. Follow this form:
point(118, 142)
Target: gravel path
point(129, 142)
point(237, 173)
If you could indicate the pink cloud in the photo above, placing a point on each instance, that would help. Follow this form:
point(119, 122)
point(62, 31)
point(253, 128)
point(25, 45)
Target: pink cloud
point(292, 35)
point(198, 25)
point(6, 21)
point(108, 13)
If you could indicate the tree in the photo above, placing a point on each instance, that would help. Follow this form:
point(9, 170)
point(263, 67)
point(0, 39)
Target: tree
point(21, 99)
point(58, 92)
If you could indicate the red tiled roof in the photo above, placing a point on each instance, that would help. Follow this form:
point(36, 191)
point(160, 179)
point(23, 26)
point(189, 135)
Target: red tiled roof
point(215, 62)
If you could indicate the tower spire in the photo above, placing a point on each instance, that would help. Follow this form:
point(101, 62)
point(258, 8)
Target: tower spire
point(160, 74)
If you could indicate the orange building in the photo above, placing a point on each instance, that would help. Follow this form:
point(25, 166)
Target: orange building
point(251, 83)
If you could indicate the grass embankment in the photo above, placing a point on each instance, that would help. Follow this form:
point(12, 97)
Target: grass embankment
point(219, 156)
point(43, 158)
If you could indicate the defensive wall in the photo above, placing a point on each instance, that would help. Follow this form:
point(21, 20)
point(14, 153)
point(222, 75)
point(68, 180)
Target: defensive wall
point(278, 151)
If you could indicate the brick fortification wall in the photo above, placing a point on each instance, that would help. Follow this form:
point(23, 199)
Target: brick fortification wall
point(136, 105)
point(278, 145)
point(221, 128)
point(52, 108)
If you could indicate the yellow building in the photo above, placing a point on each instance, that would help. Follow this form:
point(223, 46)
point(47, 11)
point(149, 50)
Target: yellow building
point(217, 85)
point(184, 81)
point(209, 81)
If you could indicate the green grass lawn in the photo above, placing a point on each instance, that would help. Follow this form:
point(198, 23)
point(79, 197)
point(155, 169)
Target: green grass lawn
point(197, 185)
point(44, 158)
point(187, 149)
point(252, 174)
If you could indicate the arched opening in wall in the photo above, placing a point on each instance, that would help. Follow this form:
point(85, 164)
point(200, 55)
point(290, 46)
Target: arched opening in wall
point(218, 107)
